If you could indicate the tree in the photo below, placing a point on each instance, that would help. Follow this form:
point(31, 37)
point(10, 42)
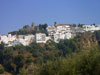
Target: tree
point(1, 69)
point(74, 25)
point(19, 61)
point(26, 26)
point(1, 46)
point(23, 72)
point(83, 63)
point(80, 25)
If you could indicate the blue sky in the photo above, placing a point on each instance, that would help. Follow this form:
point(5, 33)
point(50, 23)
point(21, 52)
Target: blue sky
point(14, 14)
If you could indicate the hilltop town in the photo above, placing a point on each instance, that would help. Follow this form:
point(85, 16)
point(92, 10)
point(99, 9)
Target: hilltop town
point(56, 33)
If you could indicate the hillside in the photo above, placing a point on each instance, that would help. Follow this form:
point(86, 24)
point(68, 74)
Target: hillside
point(77, 56)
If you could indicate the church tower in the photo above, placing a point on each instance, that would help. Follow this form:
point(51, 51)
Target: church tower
point(33, 25)
point(55, 24)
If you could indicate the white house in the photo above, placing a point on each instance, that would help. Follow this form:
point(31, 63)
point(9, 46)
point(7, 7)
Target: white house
point(63, 27)
point(21, 41)
point(11, 37)
point(16, 42)
point(20, 36)
point(4, 39)
point(68, 35)
point(57, 38)
point(51, 30)
point(40, 38)
point(29, 37)
point(91, 28)
point(61, 36)
point(24, 40)
point(12, 40)
point(59, 32)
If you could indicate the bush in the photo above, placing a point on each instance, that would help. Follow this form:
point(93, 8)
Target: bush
point(1, 69)
point(83, 63)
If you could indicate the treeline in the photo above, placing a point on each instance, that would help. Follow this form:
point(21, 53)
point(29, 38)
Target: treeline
point(30, 29)
point(78, 56)
point(83, 63)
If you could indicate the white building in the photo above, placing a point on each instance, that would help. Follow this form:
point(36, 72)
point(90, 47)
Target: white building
point(68, 36)
point(63, 28)
point(11, 37)
point(16, 42)
point(91, 28)
point(4, 39)
point(7, 39)
point(20, 36)
point(51, 30)
point(60, 36)
point(59, 32)
point(57, 38)
point(29, 37)
point(12, 40)
point(25, 40)
point(40, 38)
point(21, 41)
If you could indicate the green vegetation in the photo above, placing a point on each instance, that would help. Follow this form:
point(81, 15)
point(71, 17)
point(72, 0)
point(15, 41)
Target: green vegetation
point(83, 63)
point(80, 25)
point(78, 56)
point(30, 29)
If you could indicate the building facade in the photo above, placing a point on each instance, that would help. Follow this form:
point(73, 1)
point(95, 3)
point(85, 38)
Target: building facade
point(40, 38)
point(91, 28)
point(59, 32)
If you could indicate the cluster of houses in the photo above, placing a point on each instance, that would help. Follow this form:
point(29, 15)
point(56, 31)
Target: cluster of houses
point(56, 33)
point(12, 40)
point(59, 32)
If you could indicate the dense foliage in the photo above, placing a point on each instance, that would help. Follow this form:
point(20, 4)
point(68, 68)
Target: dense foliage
point(30, 29)
point(78, 56)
